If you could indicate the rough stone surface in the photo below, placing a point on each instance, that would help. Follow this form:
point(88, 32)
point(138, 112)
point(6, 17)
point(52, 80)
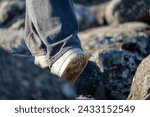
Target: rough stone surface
point(11, 11)
point(21, 79)
point(119, 11)
point(117, 71)
point(140, 89)
point(89, 81)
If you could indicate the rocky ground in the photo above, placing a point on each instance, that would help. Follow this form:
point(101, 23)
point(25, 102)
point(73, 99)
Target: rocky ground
point(115, 34)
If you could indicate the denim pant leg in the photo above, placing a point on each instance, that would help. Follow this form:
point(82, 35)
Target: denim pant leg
point(53, 27)
point(32, 39)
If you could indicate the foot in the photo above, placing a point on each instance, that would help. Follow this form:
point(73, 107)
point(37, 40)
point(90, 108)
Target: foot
point(41, 61)
point(70, 65)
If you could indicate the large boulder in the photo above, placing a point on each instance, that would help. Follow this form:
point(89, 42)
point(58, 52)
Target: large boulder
point(21, 79)
point(117, 69)
point(140, 89)
point(119, 11)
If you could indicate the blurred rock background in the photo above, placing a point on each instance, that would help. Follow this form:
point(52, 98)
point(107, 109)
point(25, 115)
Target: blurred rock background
point(114, 33)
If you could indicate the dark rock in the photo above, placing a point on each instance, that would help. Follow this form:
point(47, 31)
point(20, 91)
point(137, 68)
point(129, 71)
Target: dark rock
point(11, 10)
point(85, 17)
point(119, 11)
point(21, 79)
point(140, 89)
point(21, 49)
point(117, 71)
point(17, 23)
point(88, 82)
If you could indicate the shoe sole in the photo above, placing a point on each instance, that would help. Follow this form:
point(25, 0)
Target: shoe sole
point(75, 68)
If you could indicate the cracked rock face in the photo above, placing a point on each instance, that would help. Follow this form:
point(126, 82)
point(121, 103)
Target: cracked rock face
point(21, 79)
point(140, 89)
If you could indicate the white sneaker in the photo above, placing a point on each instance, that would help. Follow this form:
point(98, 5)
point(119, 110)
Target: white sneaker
point(70, 65)
point(41, 61)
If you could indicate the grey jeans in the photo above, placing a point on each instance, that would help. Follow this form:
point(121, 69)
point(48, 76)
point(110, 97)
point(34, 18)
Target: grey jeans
point(51, 28)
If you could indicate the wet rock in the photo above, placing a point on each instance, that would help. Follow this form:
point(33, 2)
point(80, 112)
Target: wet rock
point(141, 83)
point(117, 70)
point(89, 81)
point(119, 11)
point(27, 81)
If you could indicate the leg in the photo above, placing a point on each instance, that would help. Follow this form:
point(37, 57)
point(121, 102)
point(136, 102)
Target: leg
point(34, 42)
point(54, 29)
point(55, 24)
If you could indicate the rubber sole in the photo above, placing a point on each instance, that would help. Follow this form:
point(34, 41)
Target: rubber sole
point(75, 68)
point(69, 66)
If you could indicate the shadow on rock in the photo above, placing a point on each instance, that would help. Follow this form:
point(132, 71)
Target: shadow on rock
point(21, 79)
point(117, 71)
point(90, 82)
